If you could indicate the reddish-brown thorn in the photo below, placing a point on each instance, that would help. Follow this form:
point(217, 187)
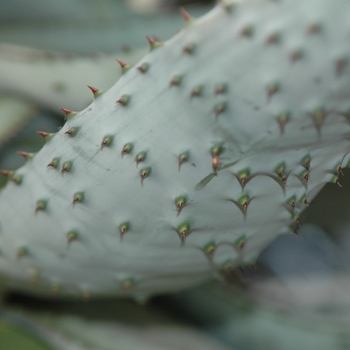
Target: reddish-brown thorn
point(215, 162)
point(340, 170)
point(66, 167)
point(66, 111)
point(122, 64)
point(93, 89)
point(186, 16)
point(24, 154)
point(243, 181)
point(43, 133)
point(5, 172)
point(151, 41)
point(210, 252)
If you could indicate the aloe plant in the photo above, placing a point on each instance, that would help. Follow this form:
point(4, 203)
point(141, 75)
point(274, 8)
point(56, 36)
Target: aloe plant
point(192, 162)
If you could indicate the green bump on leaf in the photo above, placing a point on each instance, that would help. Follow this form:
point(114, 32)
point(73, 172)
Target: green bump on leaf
point(291, 202)
point(304, 176)
point(306, 162)
point(239, 243)
point(144, 173)
point(127, 148)
point(280, 170)
point(67, 167)
point(282, 120)
point(183, 158)
point(72, 131)
point(124, 100)
point(189, 48)
point(180, 202)
point(54, 163)
point(143, 68)
point(183, 230)
point(295, 217)
point(314, 28)
point(337, 168)
point(220, 88)
point(17, 179)
point(72, 236)
point(78, 197)
point(227, 265)
point(107, 141)
point(140, 157)
point(244, 201)
point(228, 7)
point(197, 91)
point(123, 228)
point(216, 150)
point(247, 31)
point(243, 176)
point(272, 89)
point(209, 249)
point(296, 55)
point(303, 200)
point(219, 108)
point(318, 117)
point(176, 80)
point(273, 38)
point(41, 205)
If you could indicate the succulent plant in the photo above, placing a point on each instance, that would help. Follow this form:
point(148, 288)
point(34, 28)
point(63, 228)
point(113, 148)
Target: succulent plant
point(197, 158)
